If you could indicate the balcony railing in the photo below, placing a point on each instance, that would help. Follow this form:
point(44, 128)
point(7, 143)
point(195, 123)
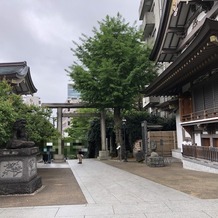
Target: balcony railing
point(148, 24)
point(201, 152)
point(145, 5)
point(199, 115)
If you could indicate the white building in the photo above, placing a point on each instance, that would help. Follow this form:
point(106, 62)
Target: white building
point(32, 100)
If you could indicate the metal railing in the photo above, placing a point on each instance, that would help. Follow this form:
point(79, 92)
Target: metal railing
point(201, 152)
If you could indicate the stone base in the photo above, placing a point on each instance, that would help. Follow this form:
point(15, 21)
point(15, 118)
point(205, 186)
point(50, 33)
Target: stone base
point(18, 171)
point(21, 187)
point(155, 161)
point(17, 168)
point(103, 155)
point(200, 165)
point(177, 153)
point(58, 158)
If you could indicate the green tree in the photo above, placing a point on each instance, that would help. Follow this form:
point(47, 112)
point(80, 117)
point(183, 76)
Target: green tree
point(80, 126)
point(113, 66)
point(39, 128)
point(9, 104)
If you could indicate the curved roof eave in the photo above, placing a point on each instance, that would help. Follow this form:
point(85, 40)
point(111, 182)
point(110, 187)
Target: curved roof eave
point(30, 82)
point(22, 72)
point(163, 25)
point(18, 75)
point(187, 66)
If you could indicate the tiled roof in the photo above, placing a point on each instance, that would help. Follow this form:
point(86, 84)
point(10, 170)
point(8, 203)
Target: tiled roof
point(18, 75)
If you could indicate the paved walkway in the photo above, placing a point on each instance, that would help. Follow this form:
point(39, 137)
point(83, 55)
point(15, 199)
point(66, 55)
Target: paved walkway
point(111, 192)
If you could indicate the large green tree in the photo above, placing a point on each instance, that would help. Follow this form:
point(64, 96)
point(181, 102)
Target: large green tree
point(112, 67)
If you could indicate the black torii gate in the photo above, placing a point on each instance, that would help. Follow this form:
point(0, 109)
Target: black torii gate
point(103, 153)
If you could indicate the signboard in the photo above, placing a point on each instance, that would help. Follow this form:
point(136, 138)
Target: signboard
point(49, 144)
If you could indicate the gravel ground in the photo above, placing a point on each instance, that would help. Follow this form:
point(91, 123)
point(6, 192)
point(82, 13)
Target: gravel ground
point(199, 184)
point(59, 188)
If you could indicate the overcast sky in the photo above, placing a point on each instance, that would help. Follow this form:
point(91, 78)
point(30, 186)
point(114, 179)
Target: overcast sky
point(41, 32)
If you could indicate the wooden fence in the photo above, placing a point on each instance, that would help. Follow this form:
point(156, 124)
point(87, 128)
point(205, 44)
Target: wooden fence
point(165, 141)
point(201, 152)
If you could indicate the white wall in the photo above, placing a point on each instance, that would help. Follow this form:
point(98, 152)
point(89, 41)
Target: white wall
point(179, 131)
point(197, 139)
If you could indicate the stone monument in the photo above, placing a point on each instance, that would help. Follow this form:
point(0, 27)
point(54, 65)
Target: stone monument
point(18, 163)
point(155, 160)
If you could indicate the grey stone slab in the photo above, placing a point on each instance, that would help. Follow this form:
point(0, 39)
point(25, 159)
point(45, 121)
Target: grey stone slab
point(127, 209)
point(87, 210)
point(53, 165)
point(211, 213)
point(29, 212)
point(141, 208)
point(120, 216)
point(196, 205)
point(195, 214)
point(127, 198)
point(76, 216)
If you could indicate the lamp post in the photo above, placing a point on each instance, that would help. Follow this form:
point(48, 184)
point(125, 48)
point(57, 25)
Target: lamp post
point(144, 137)
point(124, 139)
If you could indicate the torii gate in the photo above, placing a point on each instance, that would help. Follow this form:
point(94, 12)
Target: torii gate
point(103, 153)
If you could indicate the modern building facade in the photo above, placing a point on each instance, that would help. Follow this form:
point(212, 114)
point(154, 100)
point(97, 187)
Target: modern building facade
point(73, 96)
point(187, 40)
point(72, 93)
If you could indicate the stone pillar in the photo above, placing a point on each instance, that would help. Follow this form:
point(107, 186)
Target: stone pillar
point(58, 158)
point(18, 171)
point(59, 127)
point(103, 153)
point(103, 132)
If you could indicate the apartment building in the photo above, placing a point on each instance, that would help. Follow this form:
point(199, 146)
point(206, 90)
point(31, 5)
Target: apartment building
point(150, 12)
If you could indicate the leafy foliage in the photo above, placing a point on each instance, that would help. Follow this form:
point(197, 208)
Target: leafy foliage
point(9, 104)
point(134, 119)
point(79, 127)
point(38, 127)
point(113, 65)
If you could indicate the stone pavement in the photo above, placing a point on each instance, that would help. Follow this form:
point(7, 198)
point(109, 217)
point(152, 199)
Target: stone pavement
point(112, 192)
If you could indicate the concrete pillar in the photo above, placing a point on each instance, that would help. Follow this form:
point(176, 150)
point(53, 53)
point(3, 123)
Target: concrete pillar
point(144, 137)
point(59, 127)
point(103, 153)
point(103, 132)
point(59, 157)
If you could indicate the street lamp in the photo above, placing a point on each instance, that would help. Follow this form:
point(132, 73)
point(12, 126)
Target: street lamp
point(124, 139)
